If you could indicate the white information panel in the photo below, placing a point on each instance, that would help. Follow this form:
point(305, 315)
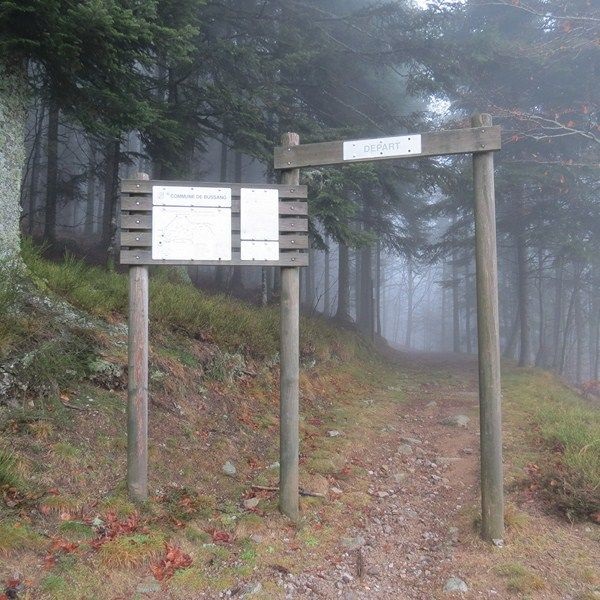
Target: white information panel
point(259, 214)
point(259, 224)
point(259, 250)
point(190, 196)
point(191, 223)
point(403, 145)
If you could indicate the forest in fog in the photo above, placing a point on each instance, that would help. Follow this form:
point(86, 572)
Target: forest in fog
point(216, 85)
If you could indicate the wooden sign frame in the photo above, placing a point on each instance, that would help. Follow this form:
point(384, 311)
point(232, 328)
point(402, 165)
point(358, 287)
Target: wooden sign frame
point(136, 224)
point(481, 140)
point(136, 244)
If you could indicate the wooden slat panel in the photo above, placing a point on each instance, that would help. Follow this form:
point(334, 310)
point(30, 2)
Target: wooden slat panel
point(286, 259)
point(458, 141)
point(143, 239)
point(144, 203)
point(143, 221)
point(136, 221)
point(134, 186)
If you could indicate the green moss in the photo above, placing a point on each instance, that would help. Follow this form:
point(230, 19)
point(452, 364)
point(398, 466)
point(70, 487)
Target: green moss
point(18, 536)
point(76, 530)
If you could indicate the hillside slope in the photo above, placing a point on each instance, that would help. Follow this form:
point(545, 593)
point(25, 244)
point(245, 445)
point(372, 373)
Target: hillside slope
point(391, 504)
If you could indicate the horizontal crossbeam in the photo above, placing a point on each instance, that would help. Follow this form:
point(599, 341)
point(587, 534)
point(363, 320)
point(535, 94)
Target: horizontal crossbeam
point(439, 143)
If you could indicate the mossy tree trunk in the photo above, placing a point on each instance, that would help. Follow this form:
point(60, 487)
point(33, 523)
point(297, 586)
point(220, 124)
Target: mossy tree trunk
point(13, 99)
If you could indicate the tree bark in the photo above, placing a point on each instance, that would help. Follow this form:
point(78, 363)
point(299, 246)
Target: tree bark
point(455, 305)
point(13, 100)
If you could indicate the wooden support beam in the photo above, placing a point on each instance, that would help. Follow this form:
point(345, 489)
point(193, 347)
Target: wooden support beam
point(289, 435)
point(135, 186)
point(137, 395)
point(456, 141)
point(492, 495)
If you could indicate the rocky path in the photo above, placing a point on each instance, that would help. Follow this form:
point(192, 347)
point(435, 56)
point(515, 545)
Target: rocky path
point(424, 472)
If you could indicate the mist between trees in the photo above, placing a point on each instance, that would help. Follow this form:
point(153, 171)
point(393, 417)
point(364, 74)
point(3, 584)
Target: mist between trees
point(208, 88)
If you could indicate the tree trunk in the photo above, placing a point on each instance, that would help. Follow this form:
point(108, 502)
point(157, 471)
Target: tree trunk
point(365, 293)
point(33, 176)
point(540, 359)
point(511, 341)
point(523, 299)
point(558, 310)
point(51, 173)
point(327, 282)
point(13, 99)
point(410, 302)
point(468, 296)
point(90, 192)
point(311, 294)
point(112, 160)
point(568, 322)
point(455, 305)
point(343, 292)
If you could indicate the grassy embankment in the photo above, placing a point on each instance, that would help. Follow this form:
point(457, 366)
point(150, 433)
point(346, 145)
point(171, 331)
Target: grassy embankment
point(214, 398)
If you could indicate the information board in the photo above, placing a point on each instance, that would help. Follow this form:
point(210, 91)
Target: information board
point(191, 223)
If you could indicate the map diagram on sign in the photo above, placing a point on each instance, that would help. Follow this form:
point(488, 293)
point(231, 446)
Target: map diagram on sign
point(191, 232)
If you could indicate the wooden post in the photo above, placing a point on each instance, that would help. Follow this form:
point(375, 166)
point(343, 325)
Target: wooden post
point(492, 496)
point(289, 437)
point(137, 397)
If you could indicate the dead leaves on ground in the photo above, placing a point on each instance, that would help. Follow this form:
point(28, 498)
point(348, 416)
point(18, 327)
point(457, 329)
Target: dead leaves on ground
point(174, 560)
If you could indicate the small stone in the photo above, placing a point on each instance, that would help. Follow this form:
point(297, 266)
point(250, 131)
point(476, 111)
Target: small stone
point(446, 460)
point(405, 449)
point(274, 465)
point(334, 433)
point(456, 421)
point(382, 494)
point(229, 469)
point(251, 589)
point(336, 491)
point(250, 503)
point(148, 586)
point(347, 578)
point(354, 543)
point(399, 477)
point(431, 404)
point(467, 450)
point(411, 440)
point(455, 585)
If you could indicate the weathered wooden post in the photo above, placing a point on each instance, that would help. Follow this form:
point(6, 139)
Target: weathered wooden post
point(289, 437)
point(137, 396)
point(492, 495)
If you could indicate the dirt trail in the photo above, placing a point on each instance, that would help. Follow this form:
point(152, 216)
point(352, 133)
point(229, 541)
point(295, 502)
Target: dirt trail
point(423, 473)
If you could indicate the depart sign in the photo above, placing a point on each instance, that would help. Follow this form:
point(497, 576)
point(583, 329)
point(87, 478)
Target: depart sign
point(403, 145)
